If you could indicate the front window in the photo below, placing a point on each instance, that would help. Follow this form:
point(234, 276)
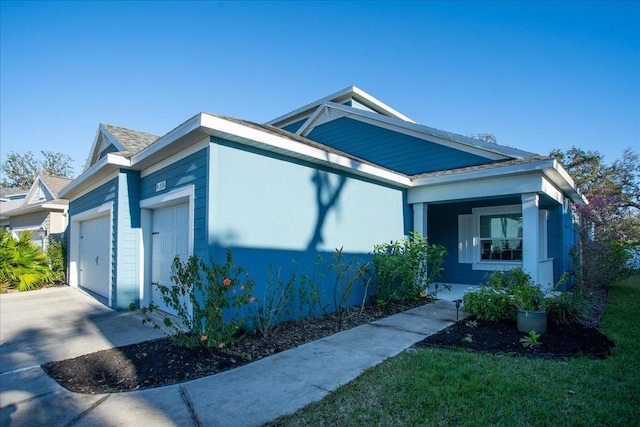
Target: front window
point(501, 237)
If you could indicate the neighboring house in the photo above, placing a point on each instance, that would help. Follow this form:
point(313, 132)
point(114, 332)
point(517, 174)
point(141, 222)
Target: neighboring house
point(10, 198)
point(345, 171)
point(40, 211)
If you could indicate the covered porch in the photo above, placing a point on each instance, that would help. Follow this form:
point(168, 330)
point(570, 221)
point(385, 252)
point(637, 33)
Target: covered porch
point(498, 217)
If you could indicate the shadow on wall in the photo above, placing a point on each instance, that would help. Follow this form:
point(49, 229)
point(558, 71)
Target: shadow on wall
point(327, 195)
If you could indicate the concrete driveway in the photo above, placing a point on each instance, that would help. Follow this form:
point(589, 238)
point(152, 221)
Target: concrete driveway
point(59, 323)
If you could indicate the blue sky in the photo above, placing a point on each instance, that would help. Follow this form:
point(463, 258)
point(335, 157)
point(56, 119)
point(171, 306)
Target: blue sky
point(538, 75)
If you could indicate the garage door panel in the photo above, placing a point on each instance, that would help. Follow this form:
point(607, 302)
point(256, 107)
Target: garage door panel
point(95, 257)
point(170, 231)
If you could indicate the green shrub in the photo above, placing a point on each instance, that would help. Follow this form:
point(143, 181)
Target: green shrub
point(278, 302)
point(57, 256)
point(22, 265)
point(489, 303)
point(348, 275)
point(572, 307)
point(210, 290)
point(406, 267)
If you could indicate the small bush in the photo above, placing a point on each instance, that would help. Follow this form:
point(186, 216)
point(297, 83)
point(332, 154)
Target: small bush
point(405, 268)
point(208, 290)
point(57, 256)
point(489, 303)
point(22, 265)
point(572, 307)
point(349, 275)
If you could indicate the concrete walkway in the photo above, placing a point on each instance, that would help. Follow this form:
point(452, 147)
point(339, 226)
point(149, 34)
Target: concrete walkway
point(250, 395)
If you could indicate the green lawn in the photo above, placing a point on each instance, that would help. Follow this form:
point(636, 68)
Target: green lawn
point(459, 388)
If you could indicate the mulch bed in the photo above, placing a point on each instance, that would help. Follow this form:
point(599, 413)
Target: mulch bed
point(159, 362)
point(504, 338)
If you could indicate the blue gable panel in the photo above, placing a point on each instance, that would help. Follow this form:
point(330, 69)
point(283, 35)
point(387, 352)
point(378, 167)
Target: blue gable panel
point(192, 170)
point(97, 197)
point(271, 211)
point(393, 150)
point(127, 249)
point(293, 127)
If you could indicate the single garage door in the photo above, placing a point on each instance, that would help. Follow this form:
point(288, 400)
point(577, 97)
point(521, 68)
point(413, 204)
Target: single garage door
point(94, 255)
point(170, 237)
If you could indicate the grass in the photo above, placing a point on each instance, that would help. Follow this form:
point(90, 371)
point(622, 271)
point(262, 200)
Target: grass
point(458, 388)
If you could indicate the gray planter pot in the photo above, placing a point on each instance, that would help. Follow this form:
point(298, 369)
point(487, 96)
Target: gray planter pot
point(529, 320)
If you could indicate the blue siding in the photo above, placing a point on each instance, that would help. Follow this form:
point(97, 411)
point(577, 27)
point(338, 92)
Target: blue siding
point(271, 211)
point(442, 229)
point(105, 193)
point(390, 149)
point(192, 170)
point(293, 127)
point(127, 248)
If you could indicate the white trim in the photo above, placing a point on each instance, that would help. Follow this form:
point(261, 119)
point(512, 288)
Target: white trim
point(496, 265)
point(351, 92)
point(106, 209)
point(174, 197)
point(113, 175)
point(192, 149)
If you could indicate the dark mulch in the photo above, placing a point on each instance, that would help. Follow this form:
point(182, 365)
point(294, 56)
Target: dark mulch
point(504, 338)
point(159, 362)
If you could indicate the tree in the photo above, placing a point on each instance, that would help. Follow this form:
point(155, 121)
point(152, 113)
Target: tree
point(486, 137)
point(613, 190)
point(20, 169)
point(610, 223)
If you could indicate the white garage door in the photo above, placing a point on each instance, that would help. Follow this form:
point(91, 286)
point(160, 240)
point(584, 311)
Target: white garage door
point(170, 237)
point(94, 256)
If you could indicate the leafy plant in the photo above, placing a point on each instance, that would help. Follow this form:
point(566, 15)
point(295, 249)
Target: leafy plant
point(278, 301)
point(348, 275)
point(202, 296)
point(489, 303)
point(471, 324)
point(572, 307)
point(22, 265)
point(57, 257)
point(531, 340)
point(405, 268)
point(467, 338)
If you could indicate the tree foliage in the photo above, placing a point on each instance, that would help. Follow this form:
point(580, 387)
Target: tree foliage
point(22, 265)
point(613, 191)
point(19, 170)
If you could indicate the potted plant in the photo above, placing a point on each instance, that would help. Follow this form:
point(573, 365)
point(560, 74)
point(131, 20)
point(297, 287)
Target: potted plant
point(530, 302)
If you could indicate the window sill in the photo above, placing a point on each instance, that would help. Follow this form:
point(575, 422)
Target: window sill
point(496, 265)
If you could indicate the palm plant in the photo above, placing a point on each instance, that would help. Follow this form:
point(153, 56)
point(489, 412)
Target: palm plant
point(22, 265)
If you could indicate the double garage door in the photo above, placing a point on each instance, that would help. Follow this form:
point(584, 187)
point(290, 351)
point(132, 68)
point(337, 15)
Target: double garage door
point(170, 238)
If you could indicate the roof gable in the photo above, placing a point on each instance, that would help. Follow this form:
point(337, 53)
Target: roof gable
point(45, 188)
point(351, 96)
point(114, 139)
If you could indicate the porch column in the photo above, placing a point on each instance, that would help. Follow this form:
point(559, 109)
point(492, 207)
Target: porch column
point(420, 218)
point(530, 235)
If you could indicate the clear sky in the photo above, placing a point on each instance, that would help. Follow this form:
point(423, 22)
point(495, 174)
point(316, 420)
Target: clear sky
point(538, 75)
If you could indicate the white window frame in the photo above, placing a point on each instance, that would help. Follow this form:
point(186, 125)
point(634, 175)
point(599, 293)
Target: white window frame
point(469, 244)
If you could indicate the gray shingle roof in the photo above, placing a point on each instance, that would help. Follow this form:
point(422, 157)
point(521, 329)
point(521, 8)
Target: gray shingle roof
point(55, 183)
point(487, 166)
point(132, 140)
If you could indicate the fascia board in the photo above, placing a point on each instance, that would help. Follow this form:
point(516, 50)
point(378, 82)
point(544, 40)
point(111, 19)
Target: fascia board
point(561, 178)
point(484, 173)
point(300, 111)
point(370, 101)
point(112, 139)
point(323, 114)
point(351, 91)
point(90, 176)
point(279, 144)
point(493, 186)
point(139, 160)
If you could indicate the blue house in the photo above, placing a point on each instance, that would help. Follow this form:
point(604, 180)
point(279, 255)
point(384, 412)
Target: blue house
point(345, 171)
